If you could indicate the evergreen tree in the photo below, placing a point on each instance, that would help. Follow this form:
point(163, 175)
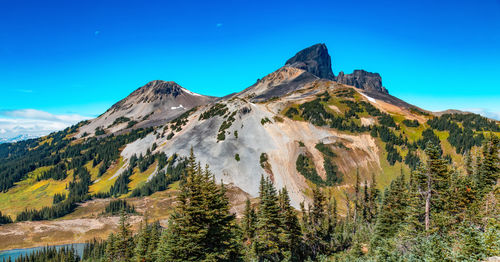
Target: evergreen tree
point(268, 228)
point(249, 220)
point(291, 232)
point(201, 228)
point(316, 235)
point(433, 183)
point(489, 170)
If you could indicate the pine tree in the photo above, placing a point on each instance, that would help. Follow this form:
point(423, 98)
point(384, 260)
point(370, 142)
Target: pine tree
point(468, 163)
point(356, 196)
point(489, 170)
point(268, 227)
point(316, 235)
point(372, 200)
point(433, 182)
point(201, 228)
point(249, 220)
point(291, 232)
point(154, 239)
point(141, 247)
point(124, 241)
point(393, 210)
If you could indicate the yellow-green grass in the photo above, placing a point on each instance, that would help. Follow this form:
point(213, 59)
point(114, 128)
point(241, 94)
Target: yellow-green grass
point(413, 133)
point(448, 149)
point(139, 178)
point(105, 183)
point(388, 172)
point(94, 171)
point(31, 194)
point(46, 140)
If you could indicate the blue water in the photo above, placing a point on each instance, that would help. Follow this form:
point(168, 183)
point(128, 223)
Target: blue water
point(14, 253)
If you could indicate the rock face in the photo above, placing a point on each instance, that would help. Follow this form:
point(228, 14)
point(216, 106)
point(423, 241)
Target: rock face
point(315, 60)
point(362, 80)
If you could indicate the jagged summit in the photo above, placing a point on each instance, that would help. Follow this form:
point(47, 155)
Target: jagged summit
point(315, 60)
point(362, 80)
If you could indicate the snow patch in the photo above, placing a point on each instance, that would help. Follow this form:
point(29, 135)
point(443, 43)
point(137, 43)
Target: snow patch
point(177, 107)
point(369, 98)
point(189, 92)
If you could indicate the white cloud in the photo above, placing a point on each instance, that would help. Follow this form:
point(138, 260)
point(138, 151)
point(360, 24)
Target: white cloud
point(32, 122)
point(485, 112)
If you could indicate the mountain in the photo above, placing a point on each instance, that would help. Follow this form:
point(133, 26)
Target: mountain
point(315, 60)
point(362, 80)
point(153, 104)
point(299, 126)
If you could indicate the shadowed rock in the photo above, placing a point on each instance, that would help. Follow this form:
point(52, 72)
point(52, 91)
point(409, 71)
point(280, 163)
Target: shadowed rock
point(362, 80)
point(315, 60)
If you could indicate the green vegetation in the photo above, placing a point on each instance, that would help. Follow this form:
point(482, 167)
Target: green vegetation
point(78, 192)
point(119, 120)
point(326, 150)
point(463, 129)
point(19, 159)
point(218, 109)
point(121, 184)
point(332, 175)
point(306, 167)
point(57, 173)
point(175, 170)
point(411, 123)
point(59, 198)
point(4, 219)
point(56, 254)
point(291, 112)
point(131, 123)
point(436, 213)
point(237, 157)
point(417, 111)
point(386, 120)
point(99, 131)
point(265, 120)
point(225, 125)
point(117, 206)
point(180, 121)
point(263, 160)
point(345, 92)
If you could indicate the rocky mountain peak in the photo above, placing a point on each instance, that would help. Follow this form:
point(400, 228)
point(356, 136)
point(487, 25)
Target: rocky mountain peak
point(160, 87)
point(362, 80)
point(315, 60)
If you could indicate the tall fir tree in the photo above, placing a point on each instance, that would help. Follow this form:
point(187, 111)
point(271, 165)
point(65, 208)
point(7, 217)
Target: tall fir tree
point(291, 231)
point(201, 228)
point(268, 228)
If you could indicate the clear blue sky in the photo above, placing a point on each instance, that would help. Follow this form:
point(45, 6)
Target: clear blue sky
point(80, 57)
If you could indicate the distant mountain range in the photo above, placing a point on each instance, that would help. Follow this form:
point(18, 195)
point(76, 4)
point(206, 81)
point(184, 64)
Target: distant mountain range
point(17, 138)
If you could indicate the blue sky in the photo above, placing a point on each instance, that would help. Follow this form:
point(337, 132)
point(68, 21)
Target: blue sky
point(76, 58)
